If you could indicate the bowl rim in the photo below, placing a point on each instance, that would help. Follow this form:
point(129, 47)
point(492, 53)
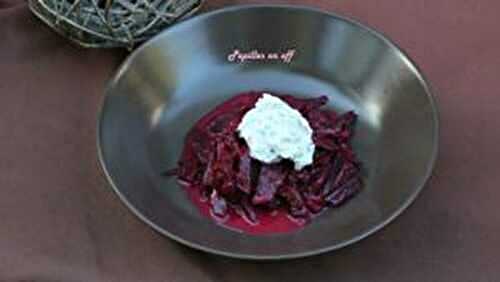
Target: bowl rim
point(400, 52)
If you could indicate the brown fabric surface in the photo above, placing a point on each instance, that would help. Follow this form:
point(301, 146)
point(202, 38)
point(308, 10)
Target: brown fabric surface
point(59, 221)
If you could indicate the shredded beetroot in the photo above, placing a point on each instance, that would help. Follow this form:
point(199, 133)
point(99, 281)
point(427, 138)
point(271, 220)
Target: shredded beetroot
point(216, 162)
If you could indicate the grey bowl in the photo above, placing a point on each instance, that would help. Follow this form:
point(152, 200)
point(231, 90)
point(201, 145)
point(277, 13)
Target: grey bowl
point(171, 81)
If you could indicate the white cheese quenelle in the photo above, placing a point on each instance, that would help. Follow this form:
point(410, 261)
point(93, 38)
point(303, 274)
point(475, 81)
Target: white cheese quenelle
point(274, 131)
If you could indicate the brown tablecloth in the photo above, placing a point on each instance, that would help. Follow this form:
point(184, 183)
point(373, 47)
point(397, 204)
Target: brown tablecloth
point(59, 221)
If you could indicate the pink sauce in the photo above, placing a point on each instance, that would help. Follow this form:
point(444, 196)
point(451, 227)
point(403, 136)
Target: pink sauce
point(277, 221)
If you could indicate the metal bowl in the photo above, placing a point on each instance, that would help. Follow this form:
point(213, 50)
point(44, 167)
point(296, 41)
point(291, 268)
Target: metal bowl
point(172, 80)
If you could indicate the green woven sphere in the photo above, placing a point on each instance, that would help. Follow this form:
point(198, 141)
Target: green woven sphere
point(111, 23)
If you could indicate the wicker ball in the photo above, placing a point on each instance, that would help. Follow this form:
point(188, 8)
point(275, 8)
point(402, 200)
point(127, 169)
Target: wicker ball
point(111, 23)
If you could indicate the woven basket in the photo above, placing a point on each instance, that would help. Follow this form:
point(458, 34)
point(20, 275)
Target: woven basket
point(111, 23)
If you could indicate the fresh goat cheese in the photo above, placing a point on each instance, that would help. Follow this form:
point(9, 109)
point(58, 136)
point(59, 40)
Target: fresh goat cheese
point(274, 131)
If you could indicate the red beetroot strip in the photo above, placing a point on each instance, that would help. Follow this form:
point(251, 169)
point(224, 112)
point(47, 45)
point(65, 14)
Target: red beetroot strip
point(216, 161)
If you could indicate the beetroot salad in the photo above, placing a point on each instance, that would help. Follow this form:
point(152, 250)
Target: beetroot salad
point(243, 193)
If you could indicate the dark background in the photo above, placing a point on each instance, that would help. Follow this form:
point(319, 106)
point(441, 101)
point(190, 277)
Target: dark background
point(59, 221)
